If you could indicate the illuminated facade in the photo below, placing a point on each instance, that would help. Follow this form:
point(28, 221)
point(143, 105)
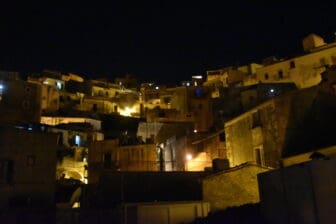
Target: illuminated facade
point(305, 70)
point(108, 155)
point(229, 77)
point(287, 125)
point(204, 149)
point(193, 103)
point(75, 135)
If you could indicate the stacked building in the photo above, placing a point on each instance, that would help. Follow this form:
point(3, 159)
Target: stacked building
point(60, 126)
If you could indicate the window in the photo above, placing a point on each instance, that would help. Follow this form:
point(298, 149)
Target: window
point(280, 73)
point(30, 160)
point(59, 85)
point(333, 60)
point(94, 107)
point(107, 160)
point(6, 171)
point(26, 104)
point(251, 98)
point(266, 76)
point(323, 61)
point(77, 140)
point(258, 156)
point(222, 137)
point(1, 90)
point(292, 64)
point(256, 119)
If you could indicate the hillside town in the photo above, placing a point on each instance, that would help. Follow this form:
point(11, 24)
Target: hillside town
point(240, 144)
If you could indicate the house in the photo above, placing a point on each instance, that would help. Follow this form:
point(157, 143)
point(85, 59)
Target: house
point(110, 155)
point(204, 149)
point(304, 70)
point(290, 124)
point(27, 168)
point(20, 101)
point(171, 142)
point(75, 134)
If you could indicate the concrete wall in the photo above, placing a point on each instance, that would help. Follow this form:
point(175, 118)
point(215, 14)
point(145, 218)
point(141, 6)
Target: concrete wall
point(299, 194)
point(117, 187)
point(169, 212)
point(234, 187)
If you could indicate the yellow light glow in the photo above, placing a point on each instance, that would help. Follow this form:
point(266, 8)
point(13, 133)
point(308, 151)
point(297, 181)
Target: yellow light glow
point(189, 157)
point(127, 111)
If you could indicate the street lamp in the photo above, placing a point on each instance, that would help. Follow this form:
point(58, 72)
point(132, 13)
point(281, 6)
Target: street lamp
point(188, 158)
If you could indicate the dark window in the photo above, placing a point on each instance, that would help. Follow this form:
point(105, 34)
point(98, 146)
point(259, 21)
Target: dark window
point(258, 156)
point(6, 171)
point(266, 76)
point(200, 147)
point(30, 160)
point(94, 107)
point(26, 104)
point(333, 60)
point(251, 98)
point(162, 113)
point(292, 64)
point(222, 137)
point(107, 161)
point(323, 61)
point(280, 73)
point(256, 119)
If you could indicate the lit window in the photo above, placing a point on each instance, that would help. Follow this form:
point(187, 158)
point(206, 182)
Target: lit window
point(1, 90)
point(199, 92)
point(77, 140)
point(59, 85)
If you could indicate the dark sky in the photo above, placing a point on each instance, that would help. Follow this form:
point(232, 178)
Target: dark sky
point(163, 41)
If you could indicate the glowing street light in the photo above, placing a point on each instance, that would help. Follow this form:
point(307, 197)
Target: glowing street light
point(189, 157)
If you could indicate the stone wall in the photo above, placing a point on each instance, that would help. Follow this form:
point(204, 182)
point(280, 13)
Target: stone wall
point(234, 187)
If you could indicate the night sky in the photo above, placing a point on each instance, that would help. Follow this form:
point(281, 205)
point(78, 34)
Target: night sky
point(162, 41)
